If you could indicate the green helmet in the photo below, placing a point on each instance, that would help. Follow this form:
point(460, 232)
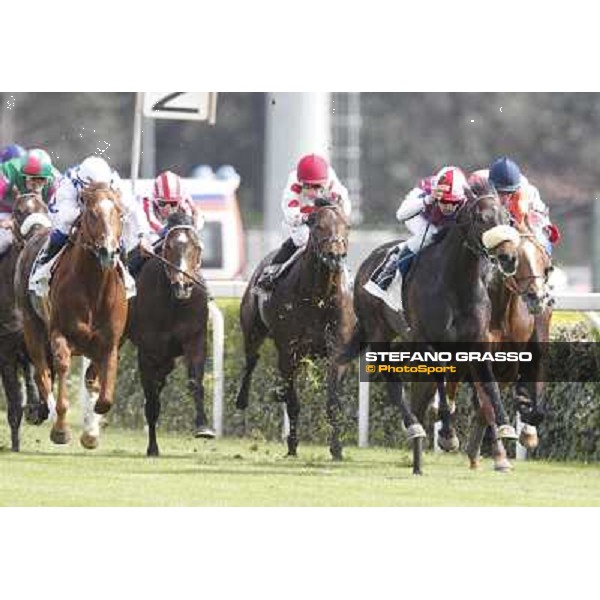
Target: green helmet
point(37, 163)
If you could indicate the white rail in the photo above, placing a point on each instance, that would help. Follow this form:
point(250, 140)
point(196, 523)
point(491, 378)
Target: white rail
point(235, 289)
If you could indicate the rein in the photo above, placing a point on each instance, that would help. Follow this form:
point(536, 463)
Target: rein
point(168, 263)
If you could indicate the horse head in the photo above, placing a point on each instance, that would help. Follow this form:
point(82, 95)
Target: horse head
point(328, 234)
point(101, 223)
point(530, 280)
point(181, 248)
point(29, 213)
point(487, 229)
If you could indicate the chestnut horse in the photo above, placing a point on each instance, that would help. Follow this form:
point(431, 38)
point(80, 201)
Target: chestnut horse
point(84, 314)
point(309, 313)
point(168, 318)
point(13, 354)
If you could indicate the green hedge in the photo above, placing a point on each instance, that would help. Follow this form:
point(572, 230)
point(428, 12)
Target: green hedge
point(571, 431)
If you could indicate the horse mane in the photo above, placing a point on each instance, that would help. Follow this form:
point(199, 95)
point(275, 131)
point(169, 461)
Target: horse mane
point(179, 219)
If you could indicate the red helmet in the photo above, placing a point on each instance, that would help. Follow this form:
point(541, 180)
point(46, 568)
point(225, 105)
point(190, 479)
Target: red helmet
point(449, 185)
point(167, 188)
point(313, 169)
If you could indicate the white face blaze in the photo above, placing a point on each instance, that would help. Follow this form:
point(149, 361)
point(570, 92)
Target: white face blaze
point(107, 206)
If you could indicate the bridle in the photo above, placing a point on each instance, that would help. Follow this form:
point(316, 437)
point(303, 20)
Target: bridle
point(472, 240)
point(330, 260)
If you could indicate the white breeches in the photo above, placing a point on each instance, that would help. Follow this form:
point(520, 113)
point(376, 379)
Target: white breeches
point(64, 213)
point(422, 231)
point(299, 234)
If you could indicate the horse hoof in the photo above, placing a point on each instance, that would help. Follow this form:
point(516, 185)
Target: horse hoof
point(529, 437)
point(474, 464)
point(88, 441)
point(449, 444)
point(502, 465)
point(415, 431)
point(507, 432)
point(417, 472)
point(205, 432)
point(102, 407)
point(336, 456)
point(36, 414)
point(241, 403)
point(152, 452)
point(60, 436)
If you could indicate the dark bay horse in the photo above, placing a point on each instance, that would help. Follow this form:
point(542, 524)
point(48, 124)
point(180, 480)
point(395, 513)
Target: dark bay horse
point(521, 313)
point(378, 323)
point(168, 319)
point(84, 314)
point(13, 354)
point(309, 313)
point(446, 299)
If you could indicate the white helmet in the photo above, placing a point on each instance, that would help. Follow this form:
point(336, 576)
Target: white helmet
point(94, 170)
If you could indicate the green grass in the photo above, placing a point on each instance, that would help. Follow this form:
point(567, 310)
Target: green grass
point(233, 472)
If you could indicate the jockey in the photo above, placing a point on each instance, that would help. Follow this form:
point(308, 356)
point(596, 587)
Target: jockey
point(32, 172)
point(522, 200)
point(425, 210)
point(65, 206)
point(168, 196)
point(312, 178)
point(12, 151)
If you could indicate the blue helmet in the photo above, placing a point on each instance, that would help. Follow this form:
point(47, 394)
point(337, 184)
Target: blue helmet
point(12, 151)
point(505, 175)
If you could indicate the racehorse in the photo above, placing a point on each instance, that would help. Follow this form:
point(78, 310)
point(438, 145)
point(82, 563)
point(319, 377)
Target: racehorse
point(521, 314)
point(13, 354)
point(447, 297)
point(450, 268)
point(309, 313)
point(168, 318)
point(84, 314)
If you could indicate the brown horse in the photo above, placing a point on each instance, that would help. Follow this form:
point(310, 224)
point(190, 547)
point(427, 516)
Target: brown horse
point(13, 354)
point(168, 318)
point(521, 313)
point(84, 314)
point(309, 313)
point(452, 267)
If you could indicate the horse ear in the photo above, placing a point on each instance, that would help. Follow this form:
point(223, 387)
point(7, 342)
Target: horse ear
point(15, 191)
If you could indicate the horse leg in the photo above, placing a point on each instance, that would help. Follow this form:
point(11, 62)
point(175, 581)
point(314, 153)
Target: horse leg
point(448, 440)
point(33, 398)
point(292, 406)
point(195, 356)
point(36, 343)
point(108, 375)
point(14, 401)
point(477, 433)
point(414, 429)
point(501, 462)
point(334, 407)
point(153, 378)
point(91, 421)
point(487, 389)
point(254, 335)
point(62, 359)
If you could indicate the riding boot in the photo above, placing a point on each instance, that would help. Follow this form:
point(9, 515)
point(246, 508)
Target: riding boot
point(405, 261)
point(385, 277)
point(57, 240)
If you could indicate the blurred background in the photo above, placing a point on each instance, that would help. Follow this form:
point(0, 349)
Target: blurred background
point(381, 145)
